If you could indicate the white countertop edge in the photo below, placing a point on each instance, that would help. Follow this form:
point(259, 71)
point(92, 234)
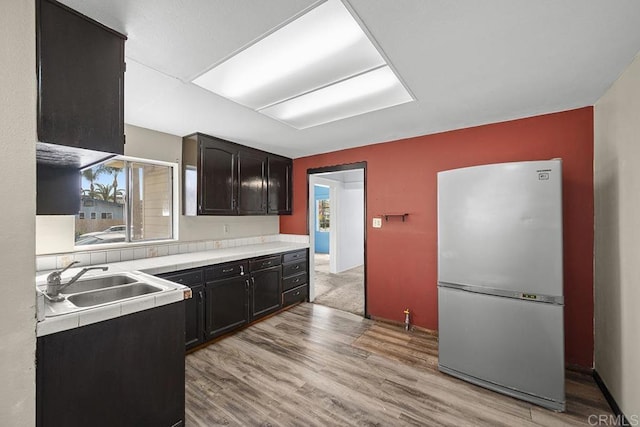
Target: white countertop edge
point(152, 266)
point(64, 322)
point(205, 258)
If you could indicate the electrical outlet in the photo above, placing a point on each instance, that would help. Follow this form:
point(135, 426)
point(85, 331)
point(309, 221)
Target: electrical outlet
point(225, 228)
point(377, 222)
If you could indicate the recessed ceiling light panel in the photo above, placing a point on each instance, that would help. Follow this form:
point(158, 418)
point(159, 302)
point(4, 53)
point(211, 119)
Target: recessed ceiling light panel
point(281, 72)
point(370, 91)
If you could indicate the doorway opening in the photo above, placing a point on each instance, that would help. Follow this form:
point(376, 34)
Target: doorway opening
point(337, 234)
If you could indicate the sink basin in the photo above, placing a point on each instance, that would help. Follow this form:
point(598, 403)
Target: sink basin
point(84, 285)
point(104, 296)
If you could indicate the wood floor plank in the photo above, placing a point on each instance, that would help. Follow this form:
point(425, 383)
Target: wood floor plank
point(316, 366)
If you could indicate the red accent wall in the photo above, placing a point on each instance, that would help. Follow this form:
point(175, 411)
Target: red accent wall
point(401, 177)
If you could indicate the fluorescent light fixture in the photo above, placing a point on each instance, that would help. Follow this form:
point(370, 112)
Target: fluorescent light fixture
point(289, 74)
point(367, 92)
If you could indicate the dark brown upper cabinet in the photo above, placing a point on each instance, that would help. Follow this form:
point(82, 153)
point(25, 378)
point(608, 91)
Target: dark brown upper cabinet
point(252, 182)
point(58, 190)
point(217, 171)
point(80, 112)
point(80, 71)
point(224, 178)
point(209, 175)
point(279, 185)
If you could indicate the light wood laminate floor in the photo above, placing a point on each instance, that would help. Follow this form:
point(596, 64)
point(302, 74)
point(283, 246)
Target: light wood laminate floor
point(318, 366)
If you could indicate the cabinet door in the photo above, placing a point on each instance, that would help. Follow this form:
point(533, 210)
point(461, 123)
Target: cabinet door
point(226, 305)
point(194, 317)
point(266, 291)
point(80, 81)
point(279, 185)
point(127, 371)
point(217, 170)
point(58, 190)
point(252, 179)
point(194, 306)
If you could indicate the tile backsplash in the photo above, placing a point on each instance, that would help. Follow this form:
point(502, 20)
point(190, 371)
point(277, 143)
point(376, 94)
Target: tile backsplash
point(57, 261)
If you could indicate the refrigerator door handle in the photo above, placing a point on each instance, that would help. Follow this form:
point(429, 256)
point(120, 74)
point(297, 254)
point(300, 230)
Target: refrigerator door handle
point(548, 299)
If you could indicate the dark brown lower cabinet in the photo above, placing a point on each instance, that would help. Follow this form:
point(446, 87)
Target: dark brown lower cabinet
point(295, 276)
point(194, 307)
point(127, 371)
point(194, 317)
point(226, 305)
point(266, 290)
point(292, 296)
point(228, 296)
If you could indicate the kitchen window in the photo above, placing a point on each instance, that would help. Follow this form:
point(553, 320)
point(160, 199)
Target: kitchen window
point(131, 200)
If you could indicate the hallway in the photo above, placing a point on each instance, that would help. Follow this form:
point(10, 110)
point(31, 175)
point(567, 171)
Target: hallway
point(344, 291)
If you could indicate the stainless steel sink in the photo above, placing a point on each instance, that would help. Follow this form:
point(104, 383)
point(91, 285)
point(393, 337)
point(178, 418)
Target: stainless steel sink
point(95, 283)
point(104, 296)
point(102, 290)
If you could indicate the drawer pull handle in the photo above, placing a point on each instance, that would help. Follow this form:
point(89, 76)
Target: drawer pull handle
point(267, 263)
point(297, 267)
point(227, 270)
point(296, 294)
point(297, 280)
point(242, 270)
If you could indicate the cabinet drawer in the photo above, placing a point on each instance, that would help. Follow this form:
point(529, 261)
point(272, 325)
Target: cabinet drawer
point(294, 268)
point(295, 295)
point(223, 271)
point(262, 263)
point(294, 256)
point(294, 281)
point(185, 277)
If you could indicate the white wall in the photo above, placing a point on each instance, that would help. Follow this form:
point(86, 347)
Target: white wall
point(17, 263)
point(617, 239)
point(153, 145)
point(350, 235)
point(54, 233)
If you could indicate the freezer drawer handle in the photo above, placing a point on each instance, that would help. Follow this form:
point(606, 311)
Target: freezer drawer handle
point(548, 299)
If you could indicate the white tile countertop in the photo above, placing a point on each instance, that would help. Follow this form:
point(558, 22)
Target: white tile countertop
point(168, 264)
point(50, 322)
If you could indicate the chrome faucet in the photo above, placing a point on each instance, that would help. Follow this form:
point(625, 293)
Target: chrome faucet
point(54, 280)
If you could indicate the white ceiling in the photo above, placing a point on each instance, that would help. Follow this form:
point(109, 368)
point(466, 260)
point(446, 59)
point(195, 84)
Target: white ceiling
point(467, 62)
point(347, 176)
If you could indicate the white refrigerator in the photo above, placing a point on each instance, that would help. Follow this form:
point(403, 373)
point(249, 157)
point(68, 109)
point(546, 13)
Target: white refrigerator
point(500, 296)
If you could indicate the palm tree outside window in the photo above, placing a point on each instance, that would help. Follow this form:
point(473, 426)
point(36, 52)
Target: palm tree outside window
point(126, 200)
